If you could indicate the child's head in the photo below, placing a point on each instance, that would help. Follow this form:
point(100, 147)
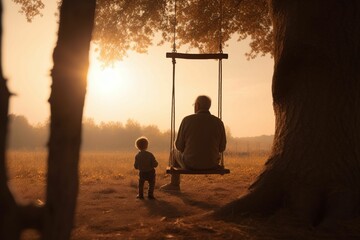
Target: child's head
point(141, 143)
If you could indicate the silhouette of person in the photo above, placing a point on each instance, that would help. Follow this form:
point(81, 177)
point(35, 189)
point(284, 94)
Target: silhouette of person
point(200, 141)
point(146, 163)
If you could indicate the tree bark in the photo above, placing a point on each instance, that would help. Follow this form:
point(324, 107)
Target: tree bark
point(9, 221)
point(314, 167)
point(71, 61)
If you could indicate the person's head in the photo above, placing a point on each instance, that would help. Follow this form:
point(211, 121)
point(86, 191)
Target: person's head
point(141, 143)
point(202, 102)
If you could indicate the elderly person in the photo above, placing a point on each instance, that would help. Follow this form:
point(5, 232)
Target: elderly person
point(200, 141)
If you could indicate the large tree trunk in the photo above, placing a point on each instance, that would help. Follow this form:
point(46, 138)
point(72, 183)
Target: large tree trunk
point(314, 168)
point(8, 218)
point(13, 217)
point(71, 61)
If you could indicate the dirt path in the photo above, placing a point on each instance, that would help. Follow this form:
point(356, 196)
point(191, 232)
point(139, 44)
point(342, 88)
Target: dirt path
point(107, 205)
point(110, 208)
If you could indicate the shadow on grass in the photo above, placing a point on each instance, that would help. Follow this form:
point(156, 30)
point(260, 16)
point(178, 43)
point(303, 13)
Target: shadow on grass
point(202, 204)
point(189, 200)
point(163, 208)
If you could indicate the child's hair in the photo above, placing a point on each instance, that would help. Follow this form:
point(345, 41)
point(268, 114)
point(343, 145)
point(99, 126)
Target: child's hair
point(141, 143)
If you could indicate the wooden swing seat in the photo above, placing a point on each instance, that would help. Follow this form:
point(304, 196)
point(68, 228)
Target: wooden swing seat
point(197, 55)
point(175, 170)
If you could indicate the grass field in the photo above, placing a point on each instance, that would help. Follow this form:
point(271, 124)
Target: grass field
point(108, 208)
point(27, 172)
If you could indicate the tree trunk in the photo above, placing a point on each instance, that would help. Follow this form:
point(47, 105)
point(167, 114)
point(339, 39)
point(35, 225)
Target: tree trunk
point(314, 167)
point(71, 61)
point(8, 218)
point(13, 217)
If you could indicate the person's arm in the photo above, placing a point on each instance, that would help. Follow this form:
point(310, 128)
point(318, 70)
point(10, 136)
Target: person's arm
point(154, 162)
point(222, 146)
point(136, 164)
point(180, 138)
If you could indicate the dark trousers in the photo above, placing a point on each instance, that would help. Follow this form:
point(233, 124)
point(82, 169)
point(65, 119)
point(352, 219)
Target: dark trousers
point(150, 178)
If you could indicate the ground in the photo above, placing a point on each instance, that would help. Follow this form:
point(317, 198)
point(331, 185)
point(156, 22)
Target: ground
point(108, 208)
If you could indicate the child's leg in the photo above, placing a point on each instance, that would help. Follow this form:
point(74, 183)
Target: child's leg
point(141, 188)
point(151, 186)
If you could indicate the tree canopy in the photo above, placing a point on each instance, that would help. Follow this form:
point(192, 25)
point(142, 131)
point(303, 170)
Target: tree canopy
point(123, 25)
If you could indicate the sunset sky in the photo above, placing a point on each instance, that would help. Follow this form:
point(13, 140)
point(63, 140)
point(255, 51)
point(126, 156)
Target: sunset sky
point(139, 87)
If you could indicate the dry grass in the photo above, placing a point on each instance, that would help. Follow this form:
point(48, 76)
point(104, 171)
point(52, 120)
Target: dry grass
point(107, 208)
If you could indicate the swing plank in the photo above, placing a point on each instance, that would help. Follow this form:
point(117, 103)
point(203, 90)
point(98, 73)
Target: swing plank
point(175, 170)
point(197, 55)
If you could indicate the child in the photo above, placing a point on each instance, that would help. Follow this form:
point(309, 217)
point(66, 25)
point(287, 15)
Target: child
point(146, 163)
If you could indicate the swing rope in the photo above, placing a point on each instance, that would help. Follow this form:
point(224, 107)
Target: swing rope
point(175, 24)
point(172, 130)
point(220, 76)
point(174, 54)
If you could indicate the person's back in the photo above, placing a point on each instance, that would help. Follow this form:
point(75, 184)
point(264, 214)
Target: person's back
point(200, 141)
point(145, 161)
point(201, 138)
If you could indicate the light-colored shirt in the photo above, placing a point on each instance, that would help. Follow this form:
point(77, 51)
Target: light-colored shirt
point(145, 161)
point(201, 139)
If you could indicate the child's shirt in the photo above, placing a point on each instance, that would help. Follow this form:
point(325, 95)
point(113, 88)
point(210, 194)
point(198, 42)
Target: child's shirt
point(145, 161)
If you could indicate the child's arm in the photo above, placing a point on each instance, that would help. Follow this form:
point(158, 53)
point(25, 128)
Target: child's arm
point(136, 164)
point(154, 162)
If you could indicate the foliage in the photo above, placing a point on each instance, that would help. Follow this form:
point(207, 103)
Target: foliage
point(116, 136)
point(124, 25)
point(22, 135)
point(104, 136)
point(30, 8)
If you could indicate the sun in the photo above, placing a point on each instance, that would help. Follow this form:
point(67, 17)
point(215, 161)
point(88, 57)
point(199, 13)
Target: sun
point(104, 80)
point(108, 80)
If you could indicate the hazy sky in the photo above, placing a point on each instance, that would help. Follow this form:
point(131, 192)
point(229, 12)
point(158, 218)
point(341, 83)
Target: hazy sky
point(139, 87)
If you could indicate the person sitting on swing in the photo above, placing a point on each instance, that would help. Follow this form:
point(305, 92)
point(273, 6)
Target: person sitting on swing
point(200, 141)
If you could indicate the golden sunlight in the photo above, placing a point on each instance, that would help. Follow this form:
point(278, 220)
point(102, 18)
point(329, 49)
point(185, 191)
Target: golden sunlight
point(106, 81)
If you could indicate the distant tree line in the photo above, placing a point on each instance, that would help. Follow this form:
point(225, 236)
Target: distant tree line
point(106, 136)
point(116, 136)
point(24, 136)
